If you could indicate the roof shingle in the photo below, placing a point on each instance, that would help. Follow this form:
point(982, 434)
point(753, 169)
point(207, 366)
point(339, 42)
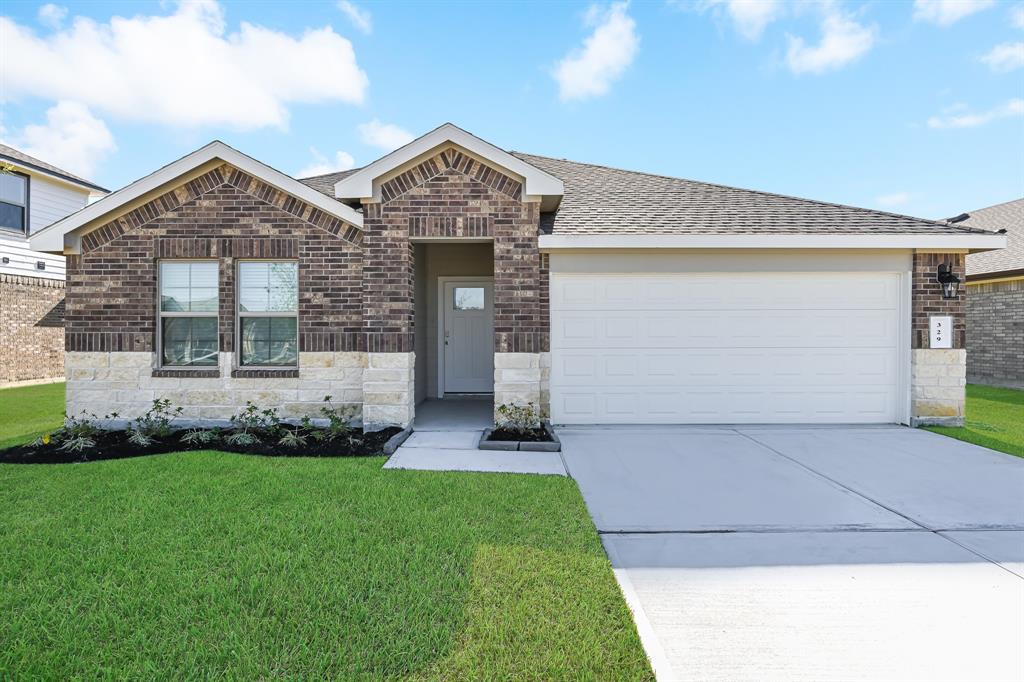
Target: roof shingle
point(16, 156)
point(1010, 217)
point(601, 200)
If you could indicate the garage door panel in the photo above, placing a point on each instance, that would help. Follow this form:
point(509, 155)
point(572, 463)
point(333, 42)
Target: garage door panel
point(801, 405)
point(724, 367)
point(725, 348)
point(715, 291)
point(726, 329)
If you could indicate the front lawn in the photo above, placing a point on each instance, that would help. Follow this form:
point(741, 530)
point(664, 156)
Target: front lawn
point(217, 565)
point(29, 411)
point(995, 419)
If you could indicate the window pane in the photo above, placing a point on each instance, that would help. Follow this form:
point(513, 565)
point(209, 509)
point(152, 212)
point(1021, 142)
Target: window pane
point(469, 298)
point(12, 217)
point(268, 287)
point(189, 341)
point(12, 188)
point(188, 287)
point(269, 341)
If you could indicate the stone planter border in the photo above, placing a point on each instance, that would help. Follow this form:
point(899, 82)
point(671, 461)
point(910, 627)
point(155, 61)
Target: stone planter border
point(554, 445)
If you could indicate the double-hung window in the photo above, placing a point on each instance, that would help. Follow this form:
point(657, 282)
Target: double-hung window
point(188, 313)
point(268, 308)
point(14, 202)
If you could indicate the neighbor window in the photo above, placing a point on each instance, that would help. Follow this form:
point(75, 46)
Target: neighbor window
point(268, 308)
point(188, 313)
point(14, 202)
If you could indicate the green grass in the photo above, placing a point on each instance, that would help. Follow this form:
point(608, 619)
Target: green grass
point(29, 411)
point(216, 565)
point(995, 419)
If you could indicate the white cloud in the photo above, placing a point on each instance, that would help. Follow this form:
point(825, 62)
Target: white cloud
point(322, 166)
point(750, 17)
point(360, 18)
point(606, 54)
point(72, 139)
point(1017, 17)
point(1013, 108)
point(894, 199)
point(181, 69)
point(946, 12)
point(843, 40)
point(387, 136)
point(1005, 57)
point(52, 16)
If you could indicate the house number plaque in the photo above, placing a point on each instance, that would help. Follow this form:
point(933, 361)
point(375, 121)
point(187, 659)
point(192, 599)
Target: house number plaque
point(941, 328)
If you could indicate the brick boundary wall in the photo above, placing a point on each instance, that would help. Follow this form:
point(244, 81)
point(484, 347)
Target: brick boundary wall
point(31, 329)
point(995, 339)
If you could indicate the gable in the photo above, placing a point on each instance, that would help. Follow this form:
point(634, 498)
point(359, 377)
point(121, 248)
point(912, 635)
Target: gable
point(140, 196)
point(190, 193)
point(366, 184)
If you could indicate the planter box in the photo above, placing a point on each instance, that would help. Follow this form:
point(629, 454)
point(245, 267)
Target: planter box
point(554, 445)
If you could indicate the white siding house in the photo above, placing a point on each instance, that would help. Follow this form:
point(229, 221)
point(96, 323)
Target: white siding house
point(38, 194)
point(33, 194)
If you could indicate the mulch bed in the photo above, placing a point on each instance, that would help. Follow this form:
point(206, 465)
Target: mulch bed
point(115, 445)
point(539, 435)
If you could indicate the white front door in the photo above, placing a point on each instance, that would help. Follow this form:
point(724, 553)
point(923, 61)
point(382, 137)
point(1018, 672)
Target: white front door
point(468, 336)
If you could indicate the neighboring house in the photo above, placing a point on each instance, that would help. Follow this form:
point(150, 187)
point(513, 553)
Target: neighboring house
point(33, 194)
point(995, 300)
point(451, 266)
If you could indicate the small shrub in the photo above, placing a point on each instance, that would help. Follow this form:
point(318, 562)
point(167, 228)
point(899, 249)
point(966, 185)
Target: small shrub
point(255, 424)
point(201, 437)
point(339, 419)
point(517, 418)
point(292, 439)
point(154, 424)
point(82, 426)
point(241, 439)
point(78, 444)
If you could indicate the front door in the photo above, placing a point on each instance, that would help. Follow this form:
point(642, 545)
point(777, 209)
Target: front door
point(468, 336)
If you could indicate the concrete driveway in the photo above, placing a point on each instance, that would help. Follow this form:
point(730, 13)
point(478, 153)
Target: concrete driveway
point(781, 553)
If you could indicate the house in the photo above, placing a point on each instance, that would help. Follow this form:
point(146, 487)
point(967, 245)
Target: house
point(451, 266)
point(995, 300)
point(33, 194)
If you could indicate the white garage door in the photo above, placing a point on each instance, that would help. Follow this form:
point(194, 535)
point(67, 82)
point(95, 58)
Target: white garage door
point(724, 348)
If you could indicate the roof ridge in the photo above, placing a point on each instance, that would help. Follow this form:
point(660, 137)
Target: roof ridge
point(324, 175)
point(926, 221)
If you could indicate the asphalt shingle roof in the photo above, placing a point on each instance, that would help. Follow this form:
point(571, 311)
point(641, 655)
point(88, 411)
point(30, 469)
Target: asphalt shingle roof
point(12, 154)
point(602, 200)
point(1009, 217)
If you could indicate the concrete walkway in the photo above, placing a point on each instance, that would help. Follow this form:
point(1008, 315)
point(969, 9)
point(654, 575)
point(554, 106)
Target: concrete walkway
point(445, 436)
point(811, 553)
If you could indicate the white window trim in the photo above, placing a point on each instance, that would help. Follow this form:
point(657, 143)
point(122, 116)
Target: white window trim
point(161, 314)
point(239, 314)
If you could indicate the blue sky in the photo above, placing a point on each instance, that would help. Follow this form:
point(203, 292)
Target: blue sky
point(914, 107)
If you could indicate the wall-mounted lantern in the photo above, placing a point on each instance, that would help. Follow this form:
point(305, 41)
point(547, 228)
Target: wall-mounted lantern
point(949, 281)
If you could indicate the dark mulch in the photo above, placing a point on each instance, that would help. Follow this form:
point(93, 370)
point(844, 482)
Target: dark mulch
point(115, 445)
point(540, 435)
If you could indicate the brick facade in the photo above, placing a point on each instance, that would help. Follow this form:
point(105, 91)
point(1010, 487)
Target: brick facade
point(226, 215)
point(31, 329)
point(938, 375)
point(995, 344)
point(449, 195)
point(927, 300)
